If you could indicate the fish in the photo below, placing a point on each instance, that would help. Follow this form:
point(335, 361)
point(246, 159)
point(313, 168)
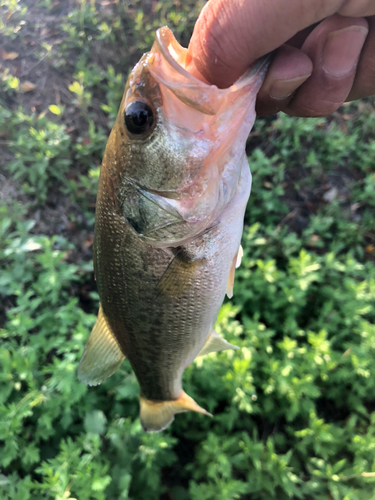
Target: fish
point(173, 189)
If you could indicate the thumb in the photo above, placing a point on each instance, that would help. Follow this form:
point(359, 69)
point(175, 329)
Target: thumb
point(229, 35)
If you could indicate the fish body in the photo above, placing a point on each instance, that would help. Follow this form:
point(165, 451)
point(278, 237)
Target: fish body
point(172, 194)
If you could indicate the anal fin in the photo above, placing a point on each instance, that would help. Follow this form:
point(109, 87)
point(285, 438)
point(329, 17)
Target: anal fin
point(236, 263)
point(102, 355)
point(216, 343)
point(157, 415)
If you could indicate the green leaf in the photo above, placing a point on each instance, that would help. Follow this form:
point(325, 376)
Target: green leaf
point(3, 480)
point(56, 110)
point(95, 422)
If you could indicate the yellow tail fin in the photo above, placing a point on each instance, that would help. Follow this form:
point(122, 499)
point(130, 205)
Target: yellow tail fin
point(156, 416)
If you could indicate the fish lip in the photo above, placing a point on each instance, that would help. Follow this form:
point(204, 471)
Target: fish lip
point(164, 38)
point(169, 72)
point(195, 93)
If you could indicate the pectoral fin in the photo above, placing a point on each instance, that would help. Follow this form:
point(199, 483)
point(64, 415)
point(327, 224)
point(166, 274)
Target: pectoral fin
point(178, 275)
point(156, 416)
point(236, 263)
point(102, 355)
point(215, 343)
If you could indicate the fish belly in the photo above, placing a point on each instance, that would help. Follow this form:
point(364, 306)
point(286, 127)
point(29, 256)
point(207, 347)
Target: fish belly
point(172, 303)
point(160, 305)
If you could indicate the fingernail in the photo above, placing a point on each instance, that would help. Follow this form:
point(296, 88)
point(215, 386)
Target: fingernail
point(281, 89)
point(341, 50)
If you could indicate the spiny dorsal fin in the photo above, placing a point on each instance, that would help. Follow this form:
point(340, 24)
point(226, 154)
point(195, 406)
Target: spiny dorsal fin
point(236, 263)
point(156, 416)
point(215, 343)
point(102, 355)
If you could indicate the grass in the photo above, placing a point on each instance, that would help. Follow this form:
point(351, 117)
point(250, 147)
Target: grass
point(294, 408)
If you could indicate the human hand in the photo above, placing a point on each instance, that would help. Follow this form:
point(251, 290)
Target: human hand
point(325, 56)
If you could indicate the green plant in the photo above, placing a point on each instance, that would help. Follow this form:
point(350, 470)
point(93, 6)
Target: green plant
point(41, 150)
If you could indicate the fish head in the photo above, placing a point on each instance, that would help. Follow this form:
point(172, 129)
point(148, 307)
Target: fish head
point(160, 143)
point(179, 141)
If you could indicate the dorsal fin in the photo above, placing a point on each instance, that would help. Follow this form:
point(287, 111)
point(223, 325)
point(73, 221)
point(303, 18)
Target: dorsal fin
point(156, 416)
point(102, 355)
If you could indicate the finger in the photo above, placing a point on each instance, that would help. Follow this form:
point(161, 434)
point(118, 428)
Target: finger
point(364, 83)
point(230, 35)
point(334, 47)
point(357, 8)
point(288, 70)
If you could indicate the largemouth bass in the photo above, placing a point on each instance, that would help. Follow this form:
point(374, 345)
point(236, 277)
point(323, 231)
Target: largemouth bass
point(172, 193)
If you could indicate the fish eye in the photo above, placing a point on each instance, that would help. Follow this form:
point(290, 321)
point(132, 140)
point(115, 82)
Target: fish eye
point(139, 117)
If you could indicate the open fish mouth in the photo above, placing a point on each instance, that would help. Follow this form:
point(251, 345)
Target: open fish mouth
point(167, 65)
point(168, 69)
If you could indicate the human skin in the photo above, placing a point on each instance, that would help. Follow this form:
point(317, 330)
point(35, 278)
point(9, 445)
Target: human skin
point(325, 50)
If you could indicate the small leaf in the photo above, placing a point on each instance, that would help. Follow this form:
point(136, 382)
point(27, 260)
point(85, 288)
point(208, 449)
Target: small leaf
point(76, 88)
point(54, 109)
point(27, 86)
point(95, 422)
point(3, 480)
point(8, 56)
point(13, 82)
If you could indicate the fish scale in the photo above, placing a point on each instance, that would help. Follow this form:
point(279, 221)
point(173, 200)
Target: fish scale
point(172, 194)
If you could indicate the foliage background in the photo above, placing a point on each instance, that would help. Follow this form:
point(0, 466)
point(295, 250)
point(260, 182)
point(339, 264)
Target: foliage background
point(295, 407)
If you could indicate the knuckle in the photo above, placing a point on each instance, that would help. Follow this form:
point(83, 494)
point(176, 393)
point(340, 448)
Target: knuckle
point(314, 109)
point(315, 104)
